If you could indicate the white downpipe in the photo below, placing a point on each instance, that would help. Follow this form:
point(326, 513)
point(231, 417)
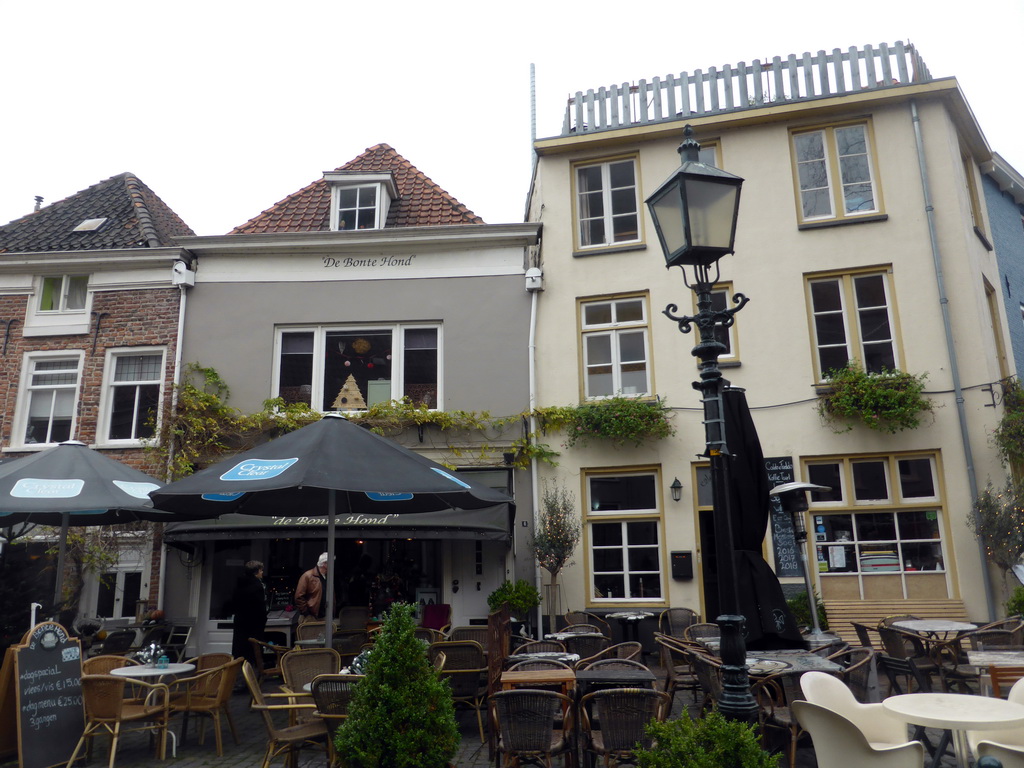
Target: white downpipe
point(535, 485)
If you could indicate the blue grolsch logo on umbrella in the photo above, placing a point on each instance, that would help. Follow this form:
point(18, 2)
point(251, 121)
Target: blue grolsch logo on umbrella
point(257, 469)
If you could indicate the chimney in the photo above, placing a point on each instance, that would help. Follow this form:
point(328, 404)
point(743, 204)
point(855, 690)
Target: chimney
point(39, 202)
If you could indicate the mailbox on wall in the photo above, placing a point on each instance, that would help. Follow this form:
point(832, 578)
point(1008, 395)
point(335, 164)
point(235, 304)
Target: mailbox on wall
point(682, 565)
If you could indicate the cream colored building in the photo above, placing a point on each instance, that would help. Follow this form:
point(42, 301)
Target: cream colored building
point(859, 226)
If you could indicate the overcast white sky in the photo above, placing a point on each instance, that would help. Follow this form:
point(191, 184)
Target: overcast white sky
point(224, 107)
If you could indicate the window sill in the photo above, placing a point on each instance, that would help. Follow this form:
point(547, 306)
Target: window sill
point(984, 240)
point(68, 329)
point(842, 222)
point(113, 446)
point(605, 249)
point(30, 448)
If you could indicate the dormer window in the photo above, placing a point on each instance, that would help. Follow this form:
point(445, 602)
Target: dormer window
point(360, 200)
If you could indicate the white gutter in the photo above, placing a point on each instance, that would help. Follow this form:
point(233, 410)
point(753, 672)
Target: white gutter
point(534, 285)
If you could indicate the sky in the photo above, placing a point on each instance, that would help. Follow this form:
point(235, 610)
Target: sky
point(223, 108)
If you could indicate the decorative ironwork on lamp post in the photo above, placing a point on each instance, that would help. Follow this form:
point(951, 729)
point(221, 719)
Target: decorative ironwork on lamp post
point(695, 214)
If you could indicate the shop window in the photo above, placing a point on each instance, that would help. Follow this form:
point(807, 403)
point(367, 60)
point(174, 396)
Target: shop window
point(615, 347)
point(607, 203)
point(888, 525)
point(47, 405)
point(852, 319)
point(624, 535)
point(350, 369)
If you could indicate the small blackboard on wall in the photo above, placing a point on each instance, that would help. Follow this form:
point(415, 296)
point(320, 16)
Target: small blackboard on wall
point(48, 684)
point(786, 550)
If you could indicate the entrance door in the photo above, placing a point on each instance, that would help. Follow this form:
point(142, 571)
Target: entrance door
point(477, 568)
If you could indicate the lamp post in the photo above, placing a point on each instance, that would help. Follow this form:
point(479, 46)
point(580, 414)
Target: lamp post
point(694, 214)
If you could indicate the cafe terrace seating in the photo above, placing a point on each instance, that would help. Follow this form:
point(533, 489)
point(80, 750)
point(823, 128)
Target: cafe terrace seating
point(871, 720)
point(540, 646)
point(677, 661)
point(627, 650)
point(774, 696)
point(586, 646)
point(268, 658)
point(208, 694)
point(465, 668)
point(1013, 737)
point(107, 710)
point(673, 621)
point(838, 743)
point(332, 695)
point(856, 672)
point(533, 725)
point(582, 617)
point(280, 739)
point(613, 721)
point(697, 632)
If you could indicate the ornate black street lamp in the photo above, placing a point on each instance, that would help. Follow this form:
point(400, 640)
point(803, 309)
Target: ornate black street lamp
point(695, 213)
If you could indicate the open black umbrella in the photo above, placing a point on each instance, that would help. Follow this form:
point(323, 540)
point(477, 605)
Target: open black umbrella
point(71, 484)
point(330, 467)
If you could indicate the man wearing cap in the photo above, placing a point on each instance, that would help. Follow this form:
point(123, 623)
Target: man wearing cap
point(310, 591)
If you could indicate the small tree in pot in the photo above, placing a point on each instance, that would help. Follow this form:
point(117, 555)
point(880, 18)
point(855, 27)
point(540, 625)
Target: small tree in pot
point(520, 596)
point(557, 536)
point(402, 714)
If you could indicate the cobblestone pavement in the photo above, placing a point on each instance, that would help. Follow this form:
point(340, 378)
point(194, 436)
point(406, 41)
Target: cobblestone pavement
point(134, 750)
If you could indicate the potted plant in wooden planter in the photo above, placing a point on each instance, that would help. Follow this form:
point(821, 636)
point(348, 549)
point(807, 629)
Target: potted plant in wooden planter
point(520, 596)
point(402, 714)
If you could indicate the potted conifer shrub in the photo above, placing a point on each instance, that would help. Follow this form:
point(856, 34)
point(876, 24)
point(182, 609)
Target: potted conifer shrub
point(402, 714)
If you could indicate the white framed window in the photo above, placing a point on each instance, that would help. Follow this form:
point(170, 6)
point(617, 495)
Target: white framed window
point(616, 355)
point(360, 200)
point(357, 208)
point(879, 527)
point(835, 172)
point(607, 203)
point(624, 537)
point(349, 368)
point(132, 392)
point(49, 396)
point(63, 293)
point(852, 319)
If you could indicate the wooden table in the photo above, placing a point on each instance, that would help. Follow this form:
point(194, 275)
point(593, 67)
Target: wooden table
point(956, 712)
point(565, 678)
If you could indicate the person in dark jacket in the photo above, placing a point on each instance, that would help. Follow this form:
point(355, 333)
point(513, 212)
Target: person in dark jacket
point(249, 603)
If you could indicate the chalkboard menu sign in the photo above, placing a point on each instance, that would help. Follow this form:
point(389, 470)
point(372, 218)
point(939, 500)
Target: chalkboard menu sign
point(48, 680)
point(787, 552)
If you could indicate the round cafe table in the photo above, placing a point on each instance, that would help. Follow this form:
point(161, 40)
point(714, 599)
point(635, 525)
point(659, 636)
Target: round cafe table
point(143, 671)
point(630, 622)
point(957, 712)
point(934, 626)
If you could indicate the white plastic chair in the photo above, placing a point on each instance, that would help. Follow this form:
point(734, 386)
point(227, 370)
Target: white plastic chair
point(838, 743)
point(1012, 738)
point(872, 720)
point(1009, 756)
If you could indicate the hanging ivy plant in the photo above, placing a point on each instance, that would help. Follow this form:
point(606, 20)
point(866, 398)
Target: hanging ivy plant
point(890, 401)
point(621, 420)
point(1009, 435)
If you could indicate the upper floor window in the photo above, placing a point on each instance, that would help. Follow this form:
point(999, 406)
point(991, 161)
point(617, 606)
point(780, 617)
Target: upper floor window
point(853, 320)
point(349, 369)
point(64, 293)
point(607, 203)
point(615, 347)
point(47, 410)
point(133, 393)
point(360, 200)
point(835, 172)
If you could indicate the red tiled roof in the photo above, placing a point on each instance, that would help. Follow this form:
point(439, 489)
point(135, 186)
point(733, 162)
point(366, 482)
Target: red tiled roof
point(136, 218)
point(420, 203)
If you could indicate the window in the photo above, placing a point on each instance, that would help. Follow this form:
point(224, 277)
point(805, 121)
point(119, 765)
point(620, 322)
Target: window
point(615, 347)
point(852, 320)
point(360, 200)
point(879, 527)
point(624, 532)
point(118, 593)
point(349, 369)
point(66, 293)
point(607, 203)
point(835, 174)
point(133, 393)
point(50, 392)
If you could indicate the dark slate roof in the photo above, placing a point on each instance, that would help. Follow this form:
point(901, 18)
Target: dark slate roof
point(136, 218)
point(420, 203)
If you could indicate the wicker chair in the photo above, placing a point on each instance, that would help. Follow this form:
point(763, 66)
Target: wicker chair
point(586, 646)
point(477, 634)
point(307, 731)
point(697, 632)
point(311, 630)
point(582, 617)
point(101, 665)
point(118, 641)
point(348, 642)
point(627, 650)
point(540, 646)
point(709, 676)
point(298, 668)
point(621, 716)
point(465, 667)
point(584, 629)
point(106, 709)
point(773, 696)
point(983, 639)
point(863, 634)
point(439, 660)
point(901, 644)
point(677, 661)
point(673, 621)
point(533, 725)
point(353, 617)
point(268, 658)
point(533, 665)
point(613, 664)
point(332, 694)
point(208, 694)
point(856, 673)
